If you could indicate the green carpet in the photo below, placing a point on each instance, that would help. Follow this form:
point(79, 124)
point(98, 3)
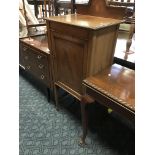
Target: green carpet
point(45, 131)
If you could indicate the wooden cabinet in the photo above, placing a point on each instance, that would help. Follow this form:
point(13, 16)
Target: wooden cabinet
point(35, 58)
point(80, 46)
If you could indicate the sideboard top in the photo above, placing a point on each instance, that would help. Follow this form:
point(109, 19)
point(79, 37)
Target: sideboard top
point(85, 21)
point(38, 42)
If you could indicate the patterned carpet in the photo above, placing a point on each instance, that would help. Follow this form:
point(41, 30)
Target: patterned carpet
point(45, 131)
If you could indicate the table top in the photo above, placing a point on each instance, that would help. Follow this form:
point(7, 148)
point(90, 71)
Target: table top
point(116, 82)
point(85, 21)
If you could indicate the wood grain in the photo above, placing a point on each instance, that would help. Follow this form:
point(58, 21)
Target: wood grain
point(79, 50)
point(116, 82)
point(100, 9)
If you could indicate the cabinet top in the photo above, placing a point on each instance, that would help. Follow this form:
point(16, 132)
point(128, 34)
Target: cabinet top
point(85, 21)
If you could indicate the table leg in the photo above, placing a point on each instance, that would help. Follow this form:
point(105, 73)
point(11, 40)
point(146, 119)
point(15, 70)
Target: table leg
point(129, 41)
point(84, 101)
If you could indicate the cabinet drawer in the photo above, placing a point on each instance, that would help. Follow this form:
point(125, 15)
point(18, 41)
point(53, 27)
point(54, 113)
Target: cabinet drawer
point(27, 55)
point(44, 77)
point(70, 30)
point(35, 58)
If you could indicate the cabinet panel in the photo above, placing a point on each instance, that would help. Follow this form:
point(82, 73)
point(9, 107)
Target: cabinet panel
point(69, 60)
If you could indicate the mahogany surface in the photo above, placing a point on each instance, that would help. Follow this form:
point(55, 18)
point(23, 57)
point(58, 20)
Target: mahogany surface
point(116, 82)
point(114, 88)
point(80, 46)
point(85, 21)
point(99, 8)
point(38, 42)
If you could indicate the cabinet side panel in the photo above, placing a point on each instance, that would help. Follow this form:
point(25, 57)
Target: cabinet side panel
point(103, 47)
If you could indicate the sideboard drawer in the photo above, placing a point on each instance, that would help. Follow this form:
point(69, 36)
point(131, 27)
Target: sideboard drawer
point(36, 63)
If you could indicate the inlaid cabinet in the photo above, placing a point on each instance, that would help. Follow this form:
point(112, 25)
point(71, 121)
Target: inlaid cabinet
point(80, 46)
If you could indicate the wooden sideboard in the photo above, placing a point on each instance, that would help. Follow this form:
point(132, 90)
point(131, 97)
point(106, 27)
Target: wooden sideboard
point(80, 46)
point(34, 58)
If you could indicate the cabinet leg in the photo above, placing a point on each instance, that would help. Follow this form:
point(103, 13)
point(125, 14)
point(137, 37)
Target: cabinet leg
point(52, 95)
point(56, 96)
point(48, 94)
point(84, 101)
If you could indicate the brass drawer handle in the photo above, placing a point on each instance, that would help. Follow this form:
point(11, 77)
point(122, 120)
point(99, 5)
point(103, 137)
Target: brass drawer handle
point(28, 67)
point(26, 57)
point(42, 77)
point(39, 56)
point(41, 66)
point(24, 48)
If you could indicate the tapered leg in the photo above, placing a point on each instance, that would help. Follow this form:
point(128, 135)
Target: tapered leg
point(84, 124)
point(129, 41)
point(84, 101)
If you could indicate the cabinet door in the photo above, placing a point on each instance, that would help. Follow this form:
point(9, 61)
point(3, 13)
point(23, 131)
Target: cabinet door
point(69, 55)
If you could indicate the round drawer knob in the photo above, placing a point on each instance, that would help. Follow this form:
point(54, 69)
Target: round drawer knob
point(41, 66)
point(42, 77)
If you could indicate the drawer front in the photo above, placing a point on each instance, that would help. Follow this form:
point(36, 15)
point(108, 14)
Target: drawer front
point(39, 61)
point(70, 30)
point(36, 63)
point(27, 58)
